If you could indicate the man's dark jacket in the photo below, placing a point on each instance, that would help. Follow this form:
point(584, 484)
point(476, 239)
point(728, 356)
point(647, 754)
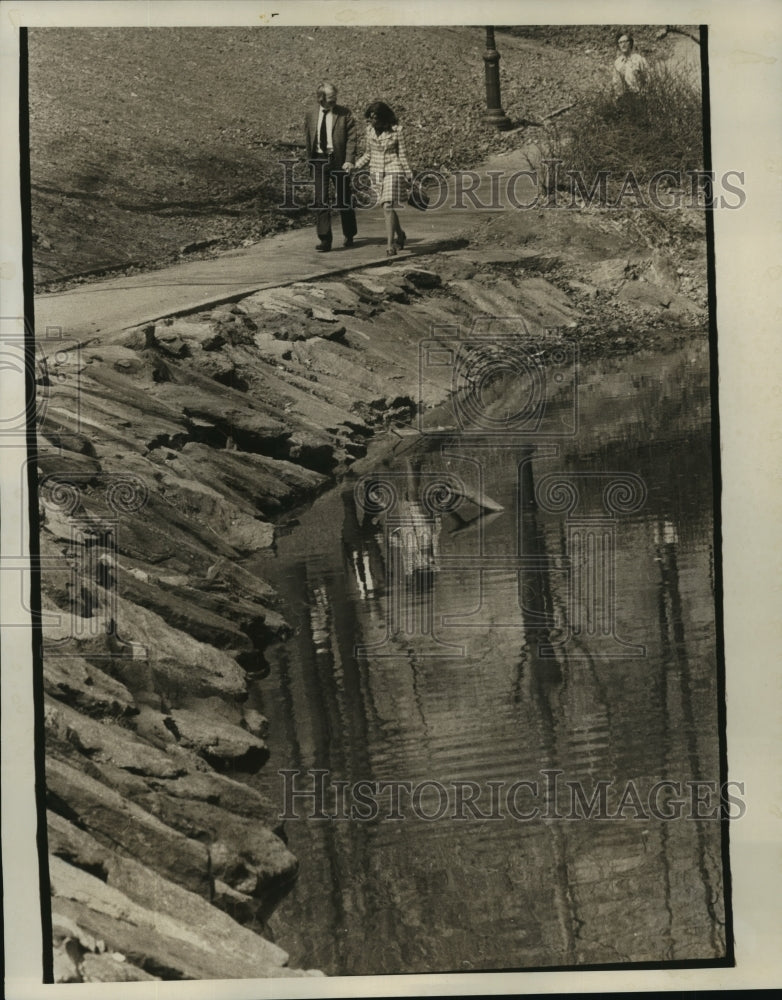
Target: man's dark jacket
point(343, 133)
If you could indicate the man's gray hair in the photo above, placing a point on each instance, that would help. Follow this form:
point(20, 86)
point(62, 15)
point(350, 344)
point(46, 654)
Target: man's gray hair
point(323, 87)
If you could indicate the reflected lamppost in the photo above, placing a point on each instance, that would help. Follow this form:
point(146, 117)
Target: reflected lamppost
point(493, 115)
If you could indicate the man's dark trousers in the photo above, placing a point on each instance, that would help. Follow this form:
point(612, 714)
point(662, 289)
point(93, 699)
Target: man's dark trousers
point(327, 172)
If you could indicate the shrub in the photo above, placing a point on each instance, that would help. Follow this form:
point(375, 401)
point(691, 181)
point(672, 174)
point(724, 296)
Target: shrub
point(659, 128)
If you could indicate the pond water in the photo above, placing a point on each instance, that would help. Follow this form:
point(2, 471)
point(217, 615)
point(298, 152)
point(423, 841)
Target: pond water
point(501, 626)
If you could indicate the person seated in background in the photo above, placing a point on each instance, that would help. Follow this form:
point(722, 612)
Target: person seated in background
point(631, 70)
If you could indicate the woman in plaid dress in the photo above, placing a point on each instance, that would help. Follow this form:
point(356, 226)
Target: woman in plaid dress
point(385, 154)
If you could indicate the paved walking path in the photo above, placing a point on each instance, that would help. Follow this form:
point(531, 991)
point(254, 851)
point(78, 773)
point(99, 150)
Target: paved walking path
point(277, 260)
point(116, 303)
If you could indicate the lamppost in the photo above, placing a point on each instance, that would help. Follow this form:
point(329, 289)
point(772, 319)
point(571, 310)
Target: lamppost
point(493, 115)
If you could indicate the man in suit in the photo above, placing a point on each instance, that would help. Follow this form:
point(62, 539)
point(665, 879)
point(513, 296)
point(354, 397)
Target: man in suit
point(330, 132)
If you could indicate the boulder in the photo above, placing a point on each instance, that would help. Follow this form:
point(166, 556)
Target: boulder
point(351, 378)
point(367, 288)
point(118, 394)
point(296, 399)
point(197, 395)
point(150, 725)
point(219, 790)
point(251, 859)
point(86, 687)
point(249, 534)
point(59, 465)
point(271, 349)
point(335, 333)
point(145, 653)
point(113, 968)
point(106, 742)
point(644, 295)
point(237, 905)
point(218, 741)
point(222, 369)
point(202, 502)
point(185, 613)
point(126, 828)
point(338, 296)
point(156, 532)
point(313, 450)
point(196, 333)
point(66, 635)
point(386, 284)
point(64, 929)
point(323, 314)
point(173, 346)
point(62, 439)
point(276, 300)
point(221, 592)
point(143, 921)
point(255, 723)
point(243, 853)
point(126, 783)
point(178, 663)
point(66, 962)
point(269, 485)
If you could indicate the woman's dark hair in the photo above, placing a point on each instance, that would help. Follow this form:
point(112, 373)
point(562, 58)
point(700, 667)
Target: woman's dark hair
point(384, 116)
point(628, 36)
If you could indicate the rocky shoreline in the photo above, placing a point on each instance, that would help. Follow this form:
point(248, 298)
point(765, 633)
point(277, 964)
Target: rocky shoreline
point(167, 456)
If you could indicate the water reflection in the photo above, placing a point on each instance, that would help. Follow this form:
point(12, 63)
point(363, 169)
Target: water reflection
point(457, 623)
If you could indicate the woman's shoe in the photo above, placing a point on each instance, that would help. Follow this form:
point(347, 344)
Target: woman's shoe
point(391, 252)
point(400, 240)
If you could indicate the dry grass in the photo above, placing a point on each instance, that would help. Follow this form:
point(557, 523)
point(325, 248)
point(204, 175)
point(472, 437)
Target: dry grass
point(660, 128)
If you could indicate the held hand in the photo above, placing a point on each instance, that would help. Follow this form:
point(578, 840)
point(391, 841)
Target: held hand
point(347, 167)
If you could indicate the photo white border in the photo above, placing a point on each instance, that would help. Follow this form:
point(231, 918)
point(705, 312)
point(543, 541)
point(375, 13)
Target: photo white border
point(745, 63)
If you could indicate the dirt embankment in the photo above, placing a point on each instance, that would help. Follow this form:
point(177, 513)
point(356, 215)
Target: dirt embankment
point(168, 454)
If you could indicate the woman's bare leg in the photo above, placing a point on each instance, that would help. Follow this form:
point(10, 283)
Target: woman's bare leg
point(391, 223)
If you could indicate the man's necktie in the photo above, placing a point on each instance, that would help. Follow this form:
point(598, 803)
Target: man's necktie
point(323, 136)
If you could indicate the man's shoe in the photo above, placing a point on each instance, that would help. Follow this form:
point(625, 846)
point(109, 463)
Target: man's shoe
point(323, 246)
point(348, 242)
